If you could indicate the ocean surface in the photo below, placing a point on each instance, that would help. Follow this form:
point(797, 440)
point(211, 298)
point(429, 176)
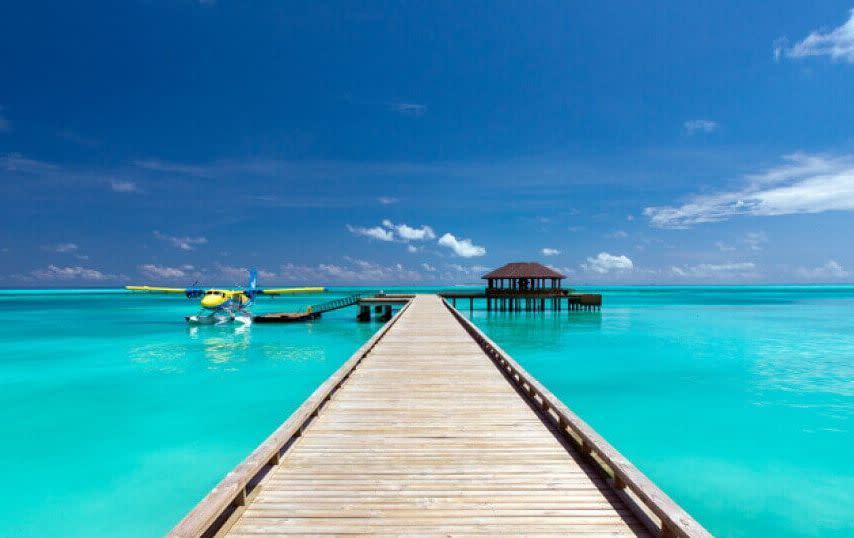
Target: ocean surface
point(116, 417)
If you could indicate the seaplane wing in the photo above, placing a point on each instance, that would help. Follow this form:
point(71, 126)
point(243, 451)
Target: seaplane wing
point(156, 289)
point(191, 293)
point(284, 291)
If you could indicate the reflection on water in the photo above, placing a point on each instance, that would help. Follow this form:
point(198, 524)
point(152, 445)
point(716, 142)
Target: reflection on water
point(165, 358)
point(225, 348)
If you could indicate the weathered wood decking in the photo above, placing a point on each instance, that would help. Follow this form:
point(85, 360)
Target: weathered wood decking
point(429, 433)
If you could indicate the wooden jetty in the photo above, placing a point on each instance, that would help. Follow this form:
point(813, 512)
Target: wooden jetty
point(430, 428)
point(382, 304)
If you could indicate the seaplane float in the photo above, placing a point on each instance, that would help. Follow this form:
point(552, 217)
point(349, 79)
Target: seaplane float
point(220, 305)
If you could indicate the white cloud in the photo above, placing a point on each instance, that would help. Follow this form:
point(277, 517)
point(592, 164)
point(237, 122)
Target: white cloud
point(832, 270)
point(716, 271)
point(120, 185)
point(427, 267)
point(724, 247)
point(461, 247)
point(377, 232)
point(157, 271)
point(804, 184)
point(54, 272)
point(630, 218)
point(407, 233)
point(618, 234)
point(412, 249)
point(700, 126)
point(387, 200)
point(838, 44)
point(605, 263)
point(183, 243)
point(550, 251)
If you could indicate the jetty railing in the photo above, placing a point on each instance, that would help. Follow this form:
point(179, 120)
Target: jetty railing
point(335, 304)
point(641, 494)
point(228, 498)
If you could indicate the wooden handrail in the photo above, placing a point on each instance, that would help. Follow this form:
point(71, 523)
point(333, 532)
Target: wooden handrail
point(673, 519)
point(231, 492)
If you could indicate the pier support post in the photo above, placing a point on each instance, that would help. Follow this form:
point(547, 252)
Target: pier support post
point(364, 313)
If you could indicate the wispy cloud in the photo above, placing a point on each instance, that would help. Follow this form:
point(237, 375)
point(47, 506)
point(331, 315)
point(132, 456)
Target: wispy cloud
point(700, 126)
point(605, 263)
point(121, 185)
point(376, 232)
point(618, 234)
point(832, 270)
point(803, 184)
point(724, 247)
point(159, 271)
point(755, 240)
point(721, 271)
point(55, 272)
point(157, 165)
point(409, 109)
point(183, 243)
point(15, 162)
point(461, 247)
point(838, 44)
point(62, 248)
point(350, 270)
point(387, 200)
point(547, 251)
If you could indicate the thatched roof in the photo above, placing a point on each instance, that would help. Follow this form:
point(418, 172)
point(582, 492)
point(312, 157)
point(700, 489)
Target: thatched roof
point(523, 270)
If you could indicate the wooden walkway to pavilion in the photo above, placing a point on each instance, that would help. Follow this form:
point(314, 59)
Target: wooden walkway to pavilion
point(431, 429)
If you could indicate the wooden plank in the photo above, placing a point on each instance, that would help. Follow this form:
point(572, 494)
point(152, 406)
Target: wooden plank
point(420, 433)
point(426, 435)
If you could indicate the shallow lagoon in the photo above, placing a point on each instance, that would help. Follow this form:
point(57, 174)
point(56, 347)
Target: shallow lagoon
point(116, 418)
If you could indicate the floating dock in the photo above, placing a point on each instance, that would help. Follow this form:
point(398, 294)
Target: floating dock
point(430, 428)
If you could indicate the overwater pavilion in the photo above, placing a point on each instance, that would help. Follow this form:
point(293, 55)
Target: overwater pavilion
point(524, 286)
point(522, 277)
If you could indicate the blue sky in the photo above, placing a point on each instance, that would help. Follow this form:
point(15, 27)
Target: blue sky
point(423, 142)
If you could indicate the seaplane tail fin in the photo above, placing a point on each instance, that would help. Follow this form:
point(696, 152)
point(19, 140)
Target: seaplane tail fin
point(253, 279)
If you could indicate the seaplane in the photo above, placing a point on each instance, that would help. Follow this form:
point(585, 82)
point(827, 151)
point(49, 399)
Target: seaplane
point(225, 305)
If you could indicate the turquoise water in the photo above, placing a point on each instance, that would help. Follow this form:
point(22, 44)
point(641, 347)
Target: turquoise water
point(116, 418)
point(735, 401)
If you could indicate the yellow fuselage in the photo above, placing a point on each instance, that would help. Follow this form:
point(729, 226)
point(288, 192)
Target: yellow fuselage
point(213, 299)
